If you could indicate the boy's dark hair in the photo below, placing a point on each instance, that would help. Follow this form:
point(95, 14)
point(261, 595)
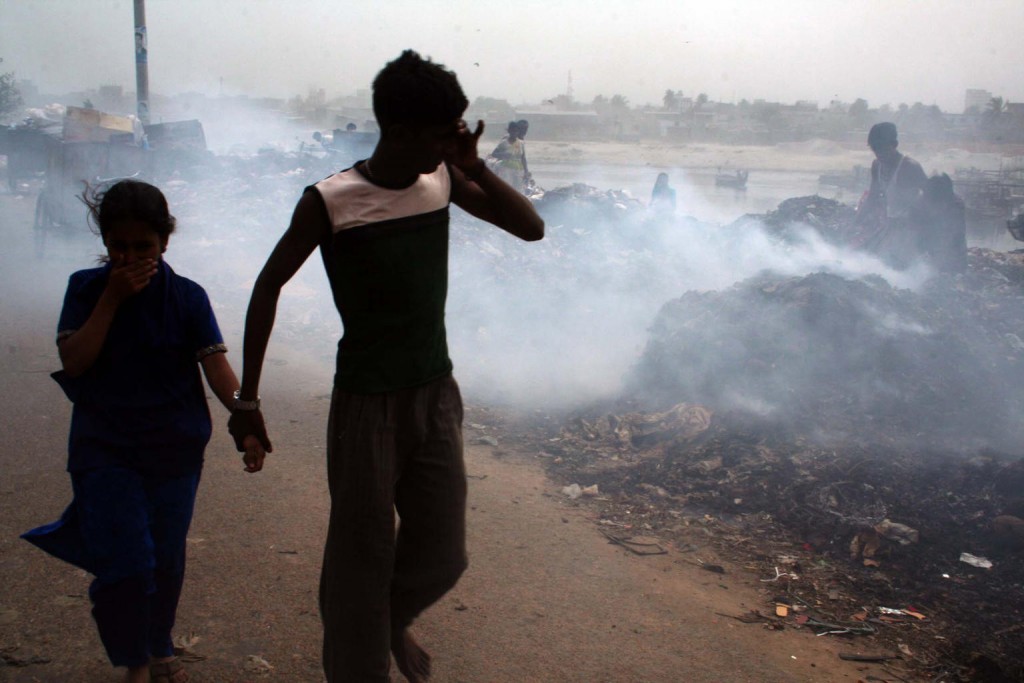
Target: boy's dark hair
point(418, 92)
point(128, 200)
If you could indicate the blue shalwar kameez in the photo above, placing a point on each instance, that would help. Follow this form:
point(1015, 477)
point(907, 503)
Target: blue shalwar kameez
point(139, 426)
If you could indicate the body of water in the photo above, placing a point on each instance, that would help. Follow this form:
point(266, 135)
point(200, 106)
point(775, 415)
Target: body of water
point(699, 197)
point(696, 192)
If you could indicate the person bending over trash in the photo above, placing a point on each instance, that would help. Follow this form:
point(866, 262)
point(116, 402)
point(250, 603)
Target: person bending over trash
point(884, 223)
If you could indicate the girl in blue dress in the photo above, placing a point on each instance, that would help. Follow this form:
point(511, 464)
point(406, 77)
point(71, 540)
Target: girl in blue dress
point(132, 336)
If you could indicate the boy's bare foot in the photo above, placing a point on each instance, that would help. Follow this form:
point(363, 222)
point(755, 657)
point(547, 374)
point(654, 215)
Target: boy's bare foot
point(412, 660)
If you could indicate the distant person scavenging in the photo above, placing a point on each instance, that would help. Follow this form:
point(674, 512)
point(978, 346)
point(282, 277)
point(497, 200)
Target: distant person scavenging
point(663, 197)
point(509, 157)
point(394, 433)
point(883, 222)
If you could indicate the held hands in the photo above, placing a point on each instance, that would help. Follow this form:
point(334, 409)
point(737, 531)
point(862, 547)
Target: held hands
point(250, 434)
point(254, 454)
point(128, 279)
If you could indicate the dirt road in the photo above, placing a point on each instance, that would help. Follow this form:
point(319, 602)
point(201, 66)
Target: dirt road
point(546, 597)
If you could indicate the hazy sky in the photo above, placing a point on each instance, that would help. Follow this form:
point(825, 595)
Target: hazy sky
point(887, 51)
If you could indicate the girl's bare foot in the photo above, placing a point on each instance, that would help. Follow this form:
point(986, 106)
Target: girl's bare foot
point(137, 674)
point(412, 660)
point(166, 670)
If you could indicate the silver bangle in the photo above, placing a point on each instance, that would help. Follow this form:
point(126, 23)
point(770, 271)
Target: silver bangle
point(239, 404)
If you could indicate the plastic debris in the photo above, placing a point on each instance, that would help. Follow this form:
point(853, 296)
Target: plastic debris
point(894, 531)
point(258, 665)
point(975, 561)
point(572, 491)
point(780, 575)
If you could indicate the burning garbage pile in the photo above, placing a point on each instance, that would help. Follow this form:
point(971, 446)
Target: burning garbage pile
point(848, 360)
point(829, 218)
point(579, 197)
point(861, 437)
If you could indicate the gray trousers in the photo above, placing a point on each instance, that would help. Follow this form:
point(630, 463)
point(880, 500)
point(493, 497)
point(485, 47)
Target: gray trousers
point(397, 451)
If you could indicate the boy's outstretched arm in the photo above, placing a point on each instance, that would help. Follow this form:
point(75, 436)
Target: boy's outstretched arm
point(483, 194)
point(308, 225)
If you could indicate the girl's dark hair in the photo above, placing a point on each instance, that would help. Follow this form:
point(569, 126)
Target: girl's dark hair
point(416, 91)
point(128, 200)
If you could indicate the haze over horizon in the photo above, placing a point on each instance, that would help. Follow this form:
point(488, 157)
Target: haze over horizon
point(887, 52)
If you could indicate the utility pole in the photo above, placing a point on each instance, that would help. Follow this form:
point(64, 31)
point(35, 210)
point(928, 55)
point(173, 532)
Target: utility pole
point(141, 63)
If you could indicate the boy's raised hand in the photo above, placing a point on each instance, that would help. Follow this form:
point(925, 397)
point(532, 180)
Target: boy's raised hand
point(464, 153)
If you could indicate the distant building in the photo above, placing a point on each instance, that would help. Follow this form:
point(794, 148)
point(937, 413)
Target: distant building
point(549, 124)
point(976, 99)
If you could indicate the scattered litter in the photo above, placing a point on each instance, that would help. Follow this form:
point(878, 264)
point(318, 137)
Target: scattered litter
point(612, 522)
point(258, 665)
point(751, 617)
point(894, 531)
point(185, 642)
point(895, 612)
point(635, 547)
point(899, 466)
point(487, 441)
point(183, 648)
point(851, 657)
point(975, 561)
point(572, 491)
point(780, 575)
point(830, 629)
point(7, 659)
point(865, 545)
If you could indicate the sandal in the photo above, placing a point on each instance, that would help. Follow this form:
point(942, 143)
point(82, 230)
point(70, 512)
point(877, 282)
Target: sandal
point(171, 671)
